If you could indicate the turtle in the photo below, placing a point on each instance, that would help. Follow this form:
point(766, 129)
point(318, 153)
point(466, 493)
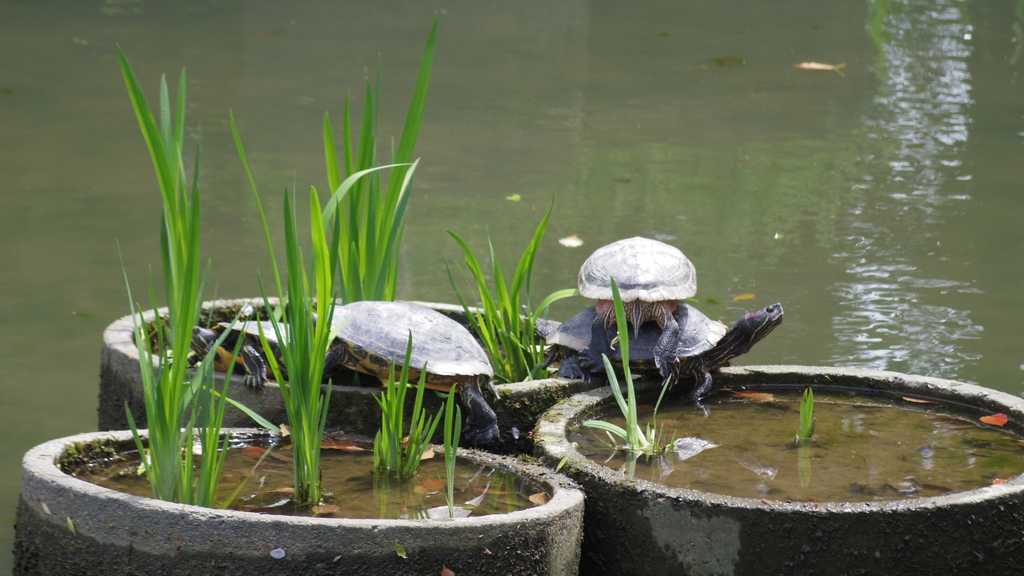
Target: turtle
point(704, 345)
point(371, 336)
point(652, 277)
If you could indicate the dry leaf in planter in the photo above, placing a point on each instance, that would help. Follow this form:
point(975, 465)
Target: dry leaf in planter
point(998, 419)
point(540, 498)
point(433, 484)
point(919, 400)
point(346, 445)
point(325, 509)
point(253, 451)
point(754, 396)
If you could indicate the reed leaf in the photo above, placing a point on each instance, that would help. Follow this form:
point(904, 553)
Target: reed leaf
point(504, 321)
point(167, 388)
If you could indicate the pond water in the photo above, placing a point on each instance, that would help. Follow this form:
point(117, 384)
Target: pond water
point(863, 448)
point(882, 207)
point(258, 477)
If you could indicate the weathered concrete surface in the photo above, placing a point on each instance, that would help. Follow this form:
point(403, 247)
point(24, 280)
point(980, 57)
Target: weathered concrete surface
point(116, 533)
point(637, 527)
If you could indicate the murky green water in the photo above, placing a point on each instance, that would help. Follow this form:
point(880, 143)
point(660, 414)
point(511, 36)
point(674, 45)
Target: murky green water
point(882, 208)
point(863, 449)
point(350, 488)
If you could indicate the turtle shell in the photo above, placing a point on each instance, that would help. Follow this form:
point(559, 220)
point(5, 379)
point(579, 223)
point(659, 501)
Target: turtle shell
point(697, 335)
point(644, 269)
point(382, 328)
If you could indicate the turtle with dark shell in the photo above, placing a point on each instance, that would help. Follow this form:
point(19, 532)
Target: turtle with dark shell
point(703, 346)
point(371, 337)
point(652, 277)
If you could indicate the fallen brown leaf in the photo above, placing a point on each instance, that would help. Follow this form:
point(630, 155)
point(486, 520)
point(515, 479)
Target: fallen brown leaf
point(919, 400)
point(754, 396)
point(346, 445)
point(540, 498)
point(998, 419)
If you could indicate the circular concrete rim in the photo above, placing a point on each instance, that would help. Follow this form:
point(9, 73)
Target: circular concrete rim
point(119, 335)
point(39, 470)
point(552, 442)
point(121, 381)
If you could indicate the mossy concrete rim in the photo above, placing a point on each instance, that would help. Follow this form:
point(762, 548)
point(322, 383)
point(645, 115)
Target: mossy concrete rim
point(96, 522)
point(552, 441)
point(644, 528)
point(351, 408)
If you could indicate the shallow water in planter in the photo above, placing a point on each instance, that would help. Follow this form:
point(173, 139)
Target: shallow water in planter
point(350, 488)
point(864, 448)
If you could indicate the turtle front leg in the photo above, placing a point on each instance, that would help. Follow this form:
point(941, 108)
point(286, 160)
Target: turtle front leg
point(481, 422)
point(203, 340)
point(255, 367)
point(665, 350)
point(590, 358)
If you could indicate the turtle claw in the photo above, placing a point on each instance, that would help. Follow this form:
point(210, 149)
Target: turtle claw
point(481, 422)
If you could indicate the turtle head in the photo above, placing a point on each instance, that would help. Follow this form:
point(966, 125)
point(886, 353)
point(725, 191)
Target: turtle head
point(760, 322)
point(749, 330)
point(754, 326)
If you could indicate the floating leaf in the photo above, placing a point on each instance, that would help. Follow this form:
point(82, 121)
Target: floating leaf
point(346, 445)
point(747, 296)
point(325, 509)
point(573, 241)
point(514, 198)
point(540, 498)
point(919, 400)
point(754, 396)
point(727, 61)
point(7, 91)
point(400, 550)
point(819, 66)
point(82, 314)
point(712, 301)
point(253, 451)
point(433, 484)
point(998, 419)
point(999, 480)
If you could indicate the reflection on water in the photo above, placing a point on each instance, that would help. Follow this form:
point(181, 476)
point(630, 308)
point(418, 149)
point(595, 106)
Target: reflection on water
point(920, 115)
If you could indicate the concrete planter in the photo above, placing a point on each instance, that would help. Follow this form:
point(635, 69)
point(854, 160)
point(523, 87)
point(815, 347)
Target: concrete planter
point(353, 409)
point(67, 526)
point(639, 527)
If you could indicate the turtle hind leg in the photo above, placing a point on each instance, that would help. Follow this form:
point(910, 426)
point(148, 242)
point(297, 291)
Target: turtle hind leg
point(702, 384)
point(481, 422)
